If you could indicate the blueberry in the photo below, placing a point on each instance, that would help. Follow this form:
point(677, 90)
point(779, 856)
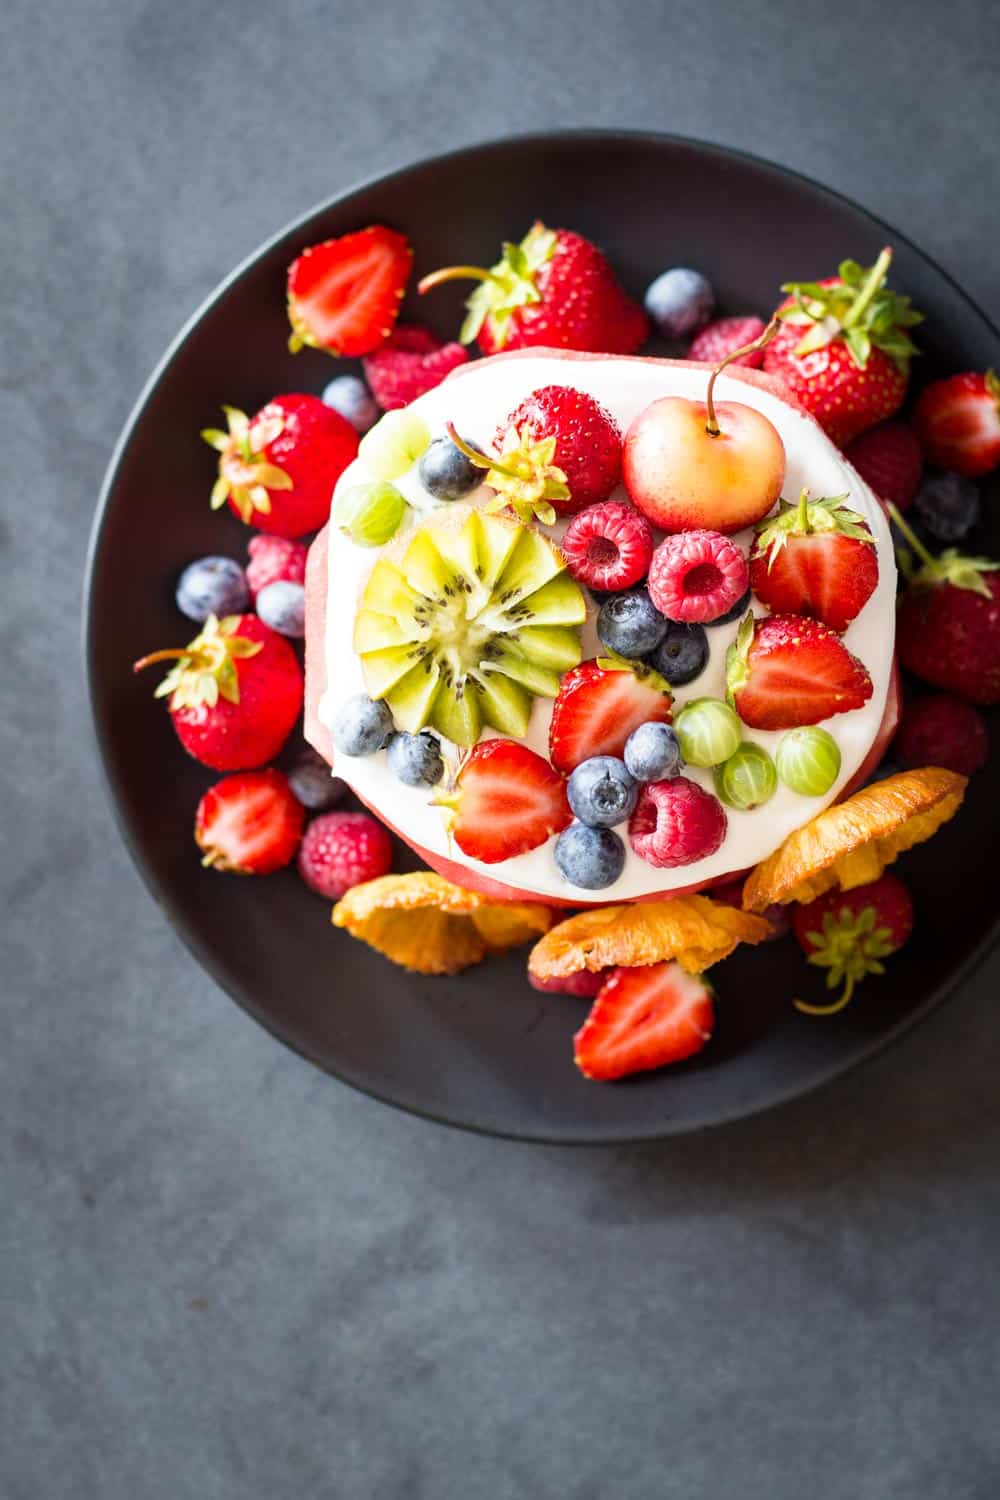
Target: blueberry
point(682, 654)
point(630, 624)
point(601, 792)
point(282, 605)
point(446, 471)
point(947, 507)
point(212, 586)
point(361, 726)
point(312, 783)
point(735, 611)
point(590, 857)
point(416, 759)
point(653, 752)
point(352, 398)
point(680, 301)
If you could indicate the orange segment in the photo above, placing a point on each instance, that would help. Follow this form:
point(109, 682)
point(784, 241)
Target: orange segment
point(693, 930)
point(851, 843)
point(424, 923)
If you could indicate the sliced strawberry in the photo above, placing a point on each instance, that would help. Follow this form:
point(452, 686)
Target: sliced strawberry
point(597, 709)
point(344, 294)
point(787, 670)
point(642, 1019)
point(507, 801)
point(250, 823)
point(815, 558)
point(958, 423)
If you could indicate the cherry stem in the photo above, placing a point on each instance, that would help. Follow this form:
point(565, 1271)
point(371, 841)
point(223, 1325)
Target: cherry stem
point(875, 278)
point(454, 273)
point(712, 425)
point(155, 656)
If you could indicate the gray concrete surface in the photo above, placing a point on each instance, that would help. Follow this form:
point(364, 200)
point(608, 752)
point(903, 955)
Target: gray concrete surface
point(223, 1275)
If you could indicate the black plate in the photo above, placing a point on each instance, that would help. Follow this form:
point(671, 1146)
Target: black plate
point(485, 1051)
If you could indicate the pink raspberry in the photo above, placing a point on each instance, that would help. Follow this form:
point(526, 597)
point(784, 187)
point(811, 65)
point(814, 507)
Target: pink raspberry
point(411, 362)
point(274, 559)
point(939, 730)
point(341, 850)
point(608, 547)
point(696, 576)
point(720, 338)
point(583, 983)
point(675, 823)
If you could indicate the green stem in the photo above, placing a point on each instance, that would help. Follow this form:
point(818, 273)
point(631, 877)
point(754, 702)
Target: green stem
point(454, 273)
point(155, 656)
point(828, 1010)
point(712, 425)
point(481, 460)
point(802, 519)
point(862, 301)
point(925, 557)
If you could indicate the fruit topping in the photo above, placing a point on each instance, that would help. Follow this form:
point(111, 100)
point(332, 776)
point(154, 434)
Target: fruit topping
point(676, 823)
point(361, 727)
point(273, 558)
point(341, 850)
point(788, 670)
point(507, 800)
point(849, 933)
point(313, 783)
point(708, 732)
point(653, 753)
point(370, 514)
point(747, 779)
point(462, 627)
point(679, 302)
point(278, 468)
point(351, 397)
point(282, 605)
point(523, 476)
point(608, 547)
point(212, 586)
point(394, 444)
point(249, 823)
point(889, 460)
point(642, 1019)
point(599, 706)
point(591, 858)
point(808, 761)
point(815, 558)
point(958, 423)
point(447, 473)
point(727, 336)
point(553, 290)
point(939, 730)
point(697, 576)
point(587, 439)
point(416, 758)
point(946, 507)
point(843, 350)
point(406, 366)
point(344, 294)
point(235, 692)
point(682, 655)
point(602, 792)
point(630, 624)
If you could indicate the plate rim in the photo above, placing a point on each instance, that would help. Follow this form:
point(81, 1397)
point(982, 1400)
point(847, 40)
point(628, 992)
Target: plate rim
point(607, 1136)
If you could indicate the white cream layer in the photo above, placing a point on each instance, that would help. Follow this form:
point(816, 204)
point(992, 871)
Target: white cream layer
point(478, 398)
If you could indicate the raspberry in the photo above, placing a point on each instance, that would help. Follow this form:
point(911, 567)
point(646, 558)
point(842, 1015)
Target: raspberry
point(718, 339)
point(675, 823)
point(889, 460)
point(341, 850)
point(583, 983)
point(696, 576)
point(274, 559)
point(939, 730)
point(411, 362)
point(608, 546)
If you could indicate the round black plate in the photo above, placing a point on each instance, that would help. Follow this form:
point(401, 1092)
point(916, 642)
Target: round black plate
point(483, 1050)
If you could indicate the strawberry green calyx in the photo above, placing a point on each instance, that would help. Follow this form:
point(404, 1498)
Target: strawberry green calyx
point(737, 658)
point(502, 288)
point(245, 476)
point(950, 566)
point(992, 380)
point(641, 671)
point(204, 671)
point(850, 947)
point(805, 517)
point(859, 309)
point(523, 475)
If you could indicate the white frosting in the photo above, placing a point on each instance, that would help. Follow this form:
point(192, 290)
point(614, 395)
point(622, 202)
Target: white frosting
point(479, 398)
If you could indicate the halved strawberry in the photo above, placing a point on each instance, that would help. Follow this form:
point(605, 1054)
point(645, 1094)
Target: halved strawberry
point(507, 801)
point(599, 705)
point(644, 1018)
point(250, 823)
point(787, 670)
point(958, 423)
point(344, 295)
point(815, 558)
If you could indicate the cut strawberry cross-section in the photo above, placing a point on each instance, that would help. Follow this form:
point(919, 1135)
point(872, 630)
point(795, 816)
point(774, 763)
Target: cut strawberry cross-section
point(642, 1019)
point(507, 800)
point(344, 295)
point(598, 706)
point(815, 558)
point(787, 670)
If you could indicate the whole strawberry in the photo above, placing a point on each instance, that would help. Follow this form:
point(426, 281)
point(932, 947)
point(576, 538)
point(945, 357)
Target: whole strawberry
point(958, 423)
point(555, 289)
point(889, 460)
point(278, 468)
point(843, 349)
point(948, 626)
point(587, 442)
point(235, 692)
point(849, 933)
point(815, 558)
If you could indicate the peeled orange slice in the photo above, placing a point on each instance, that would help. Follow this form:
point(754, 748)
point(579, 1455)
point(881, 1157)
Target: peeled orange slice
point(424, 923)
point(693, 930)
point(850, 843)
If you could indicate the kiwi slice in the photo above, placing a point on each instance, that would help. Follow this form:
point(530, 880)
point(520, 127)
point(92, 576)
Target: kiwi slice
point(466, 623)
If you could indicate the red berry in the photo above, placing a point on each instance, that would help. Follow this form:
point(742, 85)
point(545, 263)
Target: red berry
point(344, 294)
point(341, 850)
point(939, 730)
point(411, 362)
point(676, 823)
point(889, 460)
point(250, 823)
point(948, 624)
point(814, 558)
point(849, 933)
point(644, 1018)
point(958, 423)
point(507, 801)
point(787, 670)
point(717, 340)
point(584, 982)
point(596, 710)
point(608, 547)
point(588, 441)
point(275, 559)
point(696, 576)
